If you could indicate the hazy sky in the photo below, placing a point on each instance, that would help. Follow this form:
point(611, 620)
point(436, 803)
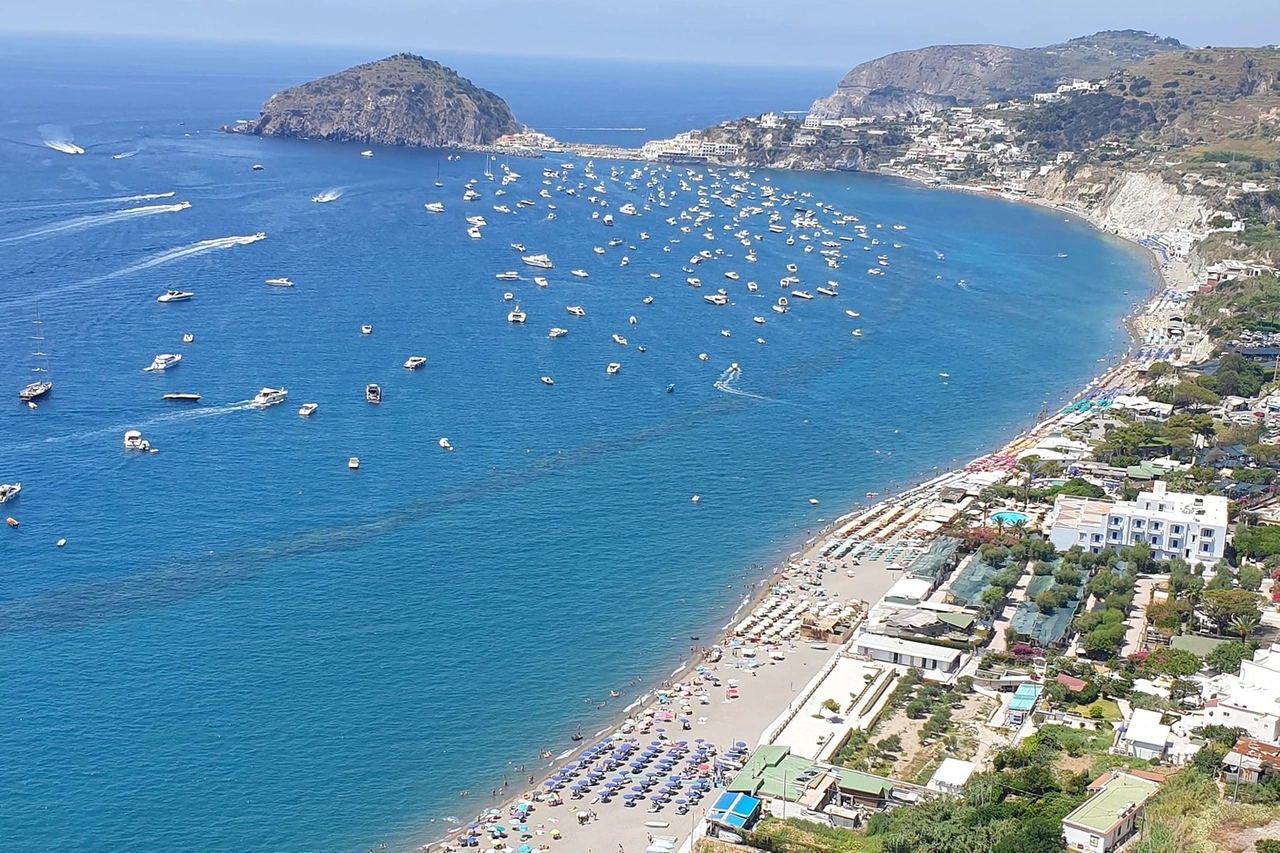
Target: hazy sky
point(836, 33)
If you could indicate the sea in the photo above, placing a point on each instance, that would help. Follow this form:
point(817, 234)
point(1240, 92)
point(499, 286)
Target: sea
point(245, 646)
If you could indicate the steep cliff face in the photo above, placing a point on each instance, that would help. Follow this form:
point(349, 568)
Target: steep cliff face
point(400, 100)
point(950, 75)
point(1133, 205)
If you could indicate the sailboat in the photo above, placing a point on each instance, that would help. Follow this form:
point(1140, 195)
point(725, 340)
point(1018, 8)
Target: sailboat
point(488, 172)
point(43, 384)
point(439, 183)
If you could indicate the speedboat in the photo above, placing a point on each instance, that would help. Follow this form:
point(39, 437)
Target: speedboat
point(268, 397)
point(576, 310)
point(857, 333)
point(366, 153)
point(547, 380)
point(413, 362)
point(175, 296)
point(599, 250)
point(724, 333)
point(648, 300)
point(188, 338)
point(702, 356)
point(620, 340)
point(824, 291)
point(510, 275)
point(444, 444)
point(366, 329)
point(613, 368)
point(731, 275)
point(694, 281)
point(164, 361)
point(474, 232)
point(180, 397)
point(9, 490)
point(854, 314)
point(716, 299)
point(372, 393)
point(557, 333)
point(540, 281)
point(578, 273)
point(802, 294)
point(758, 320)
point(671, 388)
point(508, 296)
point(279, 282)
point(516, 315)
point(540, 261)
point(517, 247)
point(434, 207)
point(307, 409)
point(608, 219)
point(133, 440)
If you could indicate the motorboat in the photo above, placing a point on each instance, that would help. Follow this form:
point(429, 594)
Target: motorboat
point(760, 341)
point(366, 153)
point(257, 167)
point(632, 319)
point(510, 275)
point(307, 409)
point(434, 207)
point(516, 315)
point(599, 250)
point(540, 281)
point(474, 232)
point(899, 228)
point(325, 197)
point(671, 388)
point(133, 440)
point(731, 275)
point(620, 340)
point(353, 463)
point(802, 294)
point(542, 262)
point(724, 333)
point(8, 491)
point(268, 397)
point(518, 247)
point(693, 281)
point(578, 273)
point(557, 333)
point(857, 333)
point(279, 282)
point(576, 310)
point(444, 444)
point(875, 271)
point(758, 320)
point(702, 356)
point(945, 375)
point(613, 368)
point(716, 299)
point(175, 296)
point(508, 296)
point(648, 300)
point(547, 380)
point(164, 361)
point(752, 287)
point(825, 291)
point(188, 338)
point(413, 362)
point(372, 393)
point(180, 397)
point(366, 329)
point(608, 219)
point(854, 314)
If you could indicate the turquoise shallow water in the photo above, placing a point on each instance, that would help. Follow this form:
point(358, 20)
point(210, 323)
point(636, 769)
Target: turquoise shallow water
point(246, 647)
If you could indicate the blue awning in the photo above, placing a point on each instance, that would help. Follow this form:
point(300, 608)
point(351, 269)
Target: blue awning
point(735, 811)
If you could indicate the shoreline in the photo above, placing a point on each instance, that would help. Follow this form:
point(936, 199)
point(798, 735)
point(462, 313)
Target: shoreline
point(808, 544)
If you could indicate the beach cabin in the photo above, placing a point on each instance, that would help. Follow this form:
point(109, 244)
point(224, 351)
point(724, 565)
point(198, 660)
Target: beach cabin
point(1107, 819)
point(935, 661)
point(733, 812)
point(951, 776)
point(1022, 704)
point(1143, 736)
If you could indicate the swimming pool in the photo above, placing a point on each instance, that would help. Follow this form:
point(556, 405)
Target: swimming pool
point(1009, 518)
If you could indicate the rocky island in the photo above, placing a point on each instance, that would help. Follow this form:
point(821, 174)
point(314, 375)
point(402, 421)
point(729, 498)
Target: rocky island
point(401, 100)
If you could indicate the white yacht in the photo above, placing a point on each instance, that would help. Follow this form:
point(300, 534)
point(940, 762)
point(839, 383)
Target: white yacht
point(576, 310)
point(875, 271)
point(353, 463)
point(163, 361)
point(413, 362)
point(474, 232)
point(599, 250)
point(540, 281)
point(366, 153)
point(180, 397)
point(857, 333)
point(608, 219)
point(716, 299)
point(731, 275)
point(547, 380)
point(702, 356)
point(802, 294)
point(752, 287)
point(516, 315)
point(188, 338)
point(366, 329)
point(854, 314)
point(724, 333)
point(175, 296)
point(758, 320)
point(133, 440)
point(557, 332)
point(694, 282)
point(434, 207)
point(578, 273)
point(9, 490)
point(444, 444)
point(620, 340)
point(648, 300)
point(613, 368)
point(268, 397)
point(279, 282)
point(307, 409)
point(542, 262)
point(518, 247)
point(509, 275)
point(372, 393)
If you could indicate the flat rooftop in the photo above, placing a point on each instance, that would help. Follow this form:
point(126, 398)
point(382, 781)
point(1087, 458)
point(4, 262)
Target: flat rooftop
point(1108, 807)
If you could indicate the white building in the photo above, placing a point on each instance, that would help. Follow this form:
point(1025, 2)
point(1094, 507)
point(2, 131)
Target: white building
point(1143, 736)
point(1174, 524)
point(951, 776)
point(923, 656)
point(1107, 819)
point(1251, 699)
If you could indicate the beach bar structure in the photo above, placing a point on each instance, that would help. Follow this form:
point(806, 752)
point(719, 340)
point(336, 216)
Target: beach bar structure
point(789, 785)
point(938, 660)
point(1023, 703)
point(1115, 812)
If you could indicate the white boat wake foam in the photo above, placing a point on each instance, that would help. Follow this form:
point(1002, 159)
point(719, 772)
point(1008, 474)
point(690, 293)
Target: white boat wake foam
point(184, 414)
point(170, 255)
point(729, 379)
point(327, 196)
point(64, 147)
point(80, 223)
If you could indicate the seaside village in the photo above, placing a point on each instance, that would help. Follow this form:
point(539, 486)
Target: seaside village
point(1085, 613)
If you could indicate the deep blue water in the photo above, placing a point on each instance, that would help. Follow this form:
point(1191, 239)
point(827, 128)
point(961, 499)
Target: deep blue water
point(246, 647)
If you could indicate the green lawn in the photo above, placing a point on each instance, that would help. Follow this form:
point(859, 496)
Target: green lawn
point(1110, 710)
point(802, 836)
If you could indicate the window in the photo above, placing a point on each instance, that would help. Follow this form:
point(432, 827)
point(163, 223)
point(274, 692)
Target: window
point(1115, 536)
point(1175, 543)
point(1155, 540)
point(1137, 523)
point(1081, 536)
point(1206, 532)
point(1162, 507)
point(1116, 521)
point(1177, 529)
point(1097, 537)
point(1157, 525)
point(1206, 548)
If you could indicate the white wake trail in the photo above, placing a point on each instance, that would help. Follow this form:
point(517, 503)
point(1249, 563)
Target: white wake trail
point(729, 379)
point(177, 415)
point(80, 223)
point(171, 255)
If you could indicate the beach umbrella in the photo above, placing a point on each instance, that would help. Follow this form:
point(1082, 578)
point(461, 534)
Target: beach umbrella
point(525, 848)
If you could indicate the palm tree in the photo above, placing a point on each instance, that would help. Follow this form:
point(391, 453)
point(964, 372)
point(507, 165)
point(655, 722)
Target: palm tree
point(1030, 466)
point(1244, 624)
